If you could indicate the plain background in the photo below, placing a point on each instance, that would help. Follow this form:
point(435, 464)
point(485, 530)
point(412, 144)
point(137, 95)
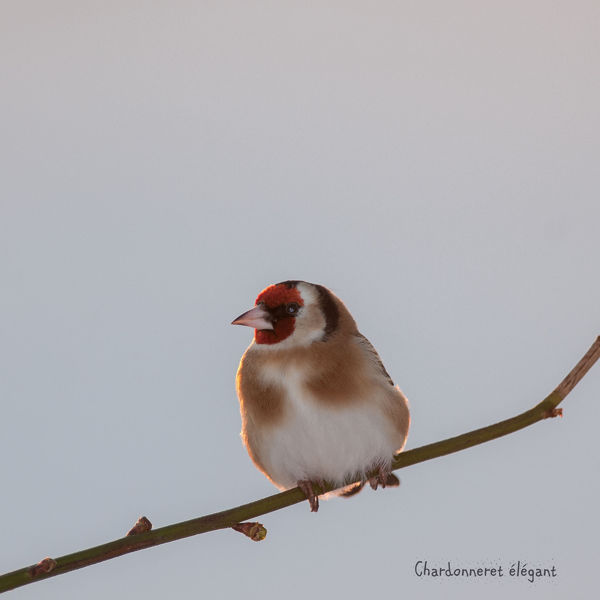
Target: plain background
point(434, 163)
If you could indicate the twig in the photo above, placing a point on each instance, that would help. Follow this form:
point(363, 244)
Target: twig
point(141, 525)
point(255, 531)
point(233, 517)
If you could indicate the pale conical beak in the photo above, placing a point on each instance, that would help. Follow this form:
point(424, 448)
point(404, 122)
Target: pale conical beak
point(256, 317)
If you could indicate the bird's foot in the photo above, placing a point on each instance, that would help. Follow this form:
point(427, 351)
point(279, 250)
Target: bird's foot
point(307, 488)
point(384, 478)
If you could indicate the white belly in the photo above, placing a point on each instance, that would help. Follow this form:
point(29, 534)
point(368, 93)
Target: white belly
point(316, 441)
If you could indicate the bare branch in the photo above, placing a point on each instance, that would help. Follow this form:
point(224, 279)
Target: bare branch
point(579, 370)
point(234, 517)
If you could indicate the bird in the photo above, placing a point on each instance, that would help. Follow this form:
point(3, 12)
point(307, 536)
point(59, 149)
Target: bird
point(318, 407)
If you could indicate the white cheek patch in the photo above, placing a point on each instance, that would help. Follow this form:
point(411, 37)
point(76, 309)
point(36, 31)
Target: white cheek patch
point(310, 325)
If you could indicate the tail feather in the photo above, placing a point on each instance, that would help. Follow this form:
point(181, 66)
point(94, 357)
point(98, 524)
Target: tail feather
point(392, 480)
point(352, 489)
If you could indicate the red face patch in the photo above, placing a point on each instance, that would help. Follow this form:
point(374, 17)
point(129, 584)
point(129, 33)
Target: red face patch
point(272, 297)
point(278, 294)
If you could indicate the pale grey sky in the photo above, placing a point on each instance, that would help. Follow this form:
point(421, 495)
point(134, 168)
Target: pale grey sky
point(434, 163)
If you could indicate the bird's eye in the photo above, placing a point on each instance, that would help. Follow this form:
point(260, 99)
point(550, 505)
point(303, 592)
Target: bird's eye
point(292, 308)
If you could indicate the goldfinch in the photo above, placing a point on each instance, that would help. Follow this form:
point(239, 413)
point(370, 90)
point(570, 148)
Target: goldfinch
point(316, 402)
